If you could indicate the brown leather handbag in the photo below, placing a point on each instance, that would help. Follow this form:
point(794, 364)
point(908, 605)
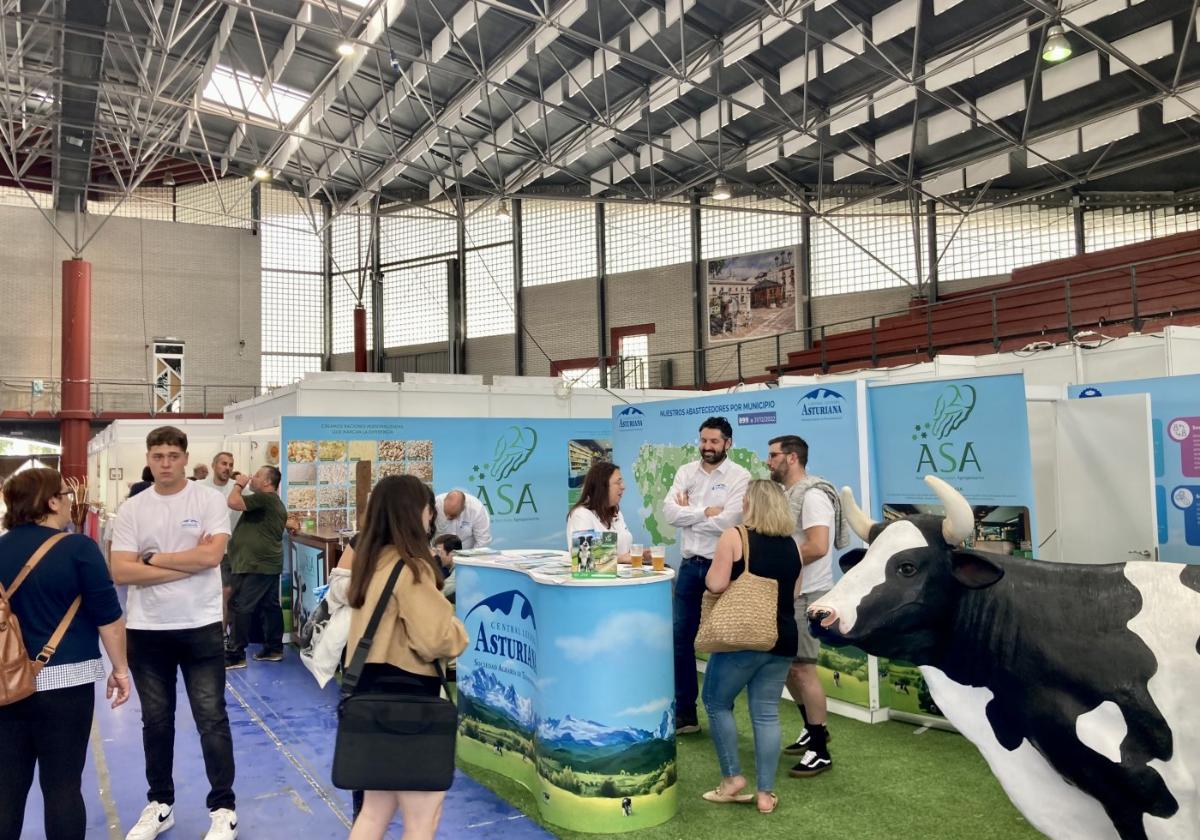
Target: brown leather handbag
point(18, 673)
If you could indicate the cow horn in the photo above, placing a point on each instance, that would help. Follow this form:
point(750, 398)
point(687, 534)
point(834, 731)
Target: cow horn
point(960, 518)
point(860, 523)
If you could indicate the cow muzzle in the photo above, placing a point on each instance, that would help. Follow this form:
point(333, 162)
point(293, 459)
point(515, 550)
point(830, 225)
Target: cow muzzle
point(821, 616)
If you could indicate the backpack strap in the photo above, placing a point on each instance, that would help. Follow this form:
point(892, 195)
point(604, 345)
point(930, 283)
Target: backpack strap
point(43, 657)
point(41, 552)
point(56, 638)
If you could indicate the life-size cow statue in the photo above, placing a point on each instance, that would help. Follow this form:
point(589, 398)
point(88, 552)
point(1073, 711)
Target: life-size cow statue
point(1080, 684)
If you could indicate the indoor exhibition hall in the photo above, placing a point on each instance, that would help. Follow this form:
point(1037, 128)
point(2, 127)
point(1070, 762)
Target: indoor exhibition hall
point(517, 419)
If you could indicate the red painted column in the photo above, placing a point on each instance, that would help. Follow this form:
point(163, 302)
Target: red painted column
point(75, 415)
point(360, 339)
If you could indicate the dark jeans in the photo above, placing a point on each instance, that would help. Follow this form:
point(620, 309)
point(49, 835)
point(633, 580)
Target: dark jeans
point(154, 658)
point(255, 594)
point(49, 729)
point(689, 591)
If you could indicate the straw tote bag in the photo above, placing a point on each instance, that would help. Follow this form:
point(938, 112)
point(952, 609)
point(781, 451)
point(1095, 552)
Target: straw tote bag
point(744, 616)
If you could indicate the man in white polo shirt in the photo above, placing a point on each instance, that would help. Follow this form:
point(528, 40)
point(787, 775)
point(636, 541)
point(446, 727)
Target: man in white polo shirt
point(705, 499)
point(464, 516)
point(167, 546)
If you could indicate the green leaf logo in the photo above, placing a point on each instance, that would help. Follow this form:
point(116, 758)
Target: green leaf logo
point(513, 449)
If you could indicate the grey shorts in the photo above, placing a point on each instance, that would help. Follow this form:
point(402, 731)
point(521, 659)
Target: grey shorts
point(809, 647)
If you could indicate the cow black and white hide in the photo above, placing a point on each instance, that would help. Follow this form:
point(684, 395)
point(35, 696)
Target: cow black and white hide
point(1079, 683)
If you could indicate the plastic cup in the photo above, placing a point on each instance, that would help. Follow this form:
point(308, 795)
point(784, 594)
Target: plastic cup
point(635, 556)
point(658, 557)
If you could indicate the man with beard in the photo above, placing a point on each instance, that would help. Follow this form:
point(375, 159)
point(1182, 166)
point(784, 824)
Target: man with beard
point(704, 500)
point(817, 509)
point(221, 479)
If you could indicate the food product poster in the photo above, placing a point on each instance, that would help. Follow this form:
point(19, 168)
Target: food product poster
point(1175, 416)
point(652, 440)
point(569, 690)
point(522, 470)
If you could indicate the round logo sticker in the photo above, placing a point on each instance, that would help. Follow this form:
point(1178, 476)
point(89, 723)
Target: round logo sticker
point(1183, 498)
point(1179, 430)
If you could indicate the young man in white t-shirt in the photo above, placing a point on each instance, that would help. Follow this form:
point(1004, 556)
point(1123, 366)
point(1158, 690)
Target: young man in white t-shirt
point(167, 546)
point(816, 529)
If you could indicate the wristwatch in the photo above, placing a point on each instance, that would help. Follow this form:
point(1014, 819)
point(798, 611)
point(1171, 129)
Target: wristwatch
point(146, 558)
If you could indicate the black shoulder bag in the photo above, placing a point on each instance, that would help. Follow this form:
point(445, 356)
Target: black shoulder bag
point(392, 741)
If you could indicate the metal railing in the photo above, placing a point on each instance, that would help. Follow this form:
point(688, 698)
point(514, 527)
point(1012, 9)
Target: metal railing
point(40, 395)
point(736, 357)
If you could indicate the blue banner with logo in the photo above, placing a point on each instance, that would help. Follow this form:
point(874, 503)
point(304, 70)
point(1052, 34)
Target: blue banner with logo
point(652, 440)
point(1175, 416)
point(569, 691)
point(974, 434)
point(526, 472)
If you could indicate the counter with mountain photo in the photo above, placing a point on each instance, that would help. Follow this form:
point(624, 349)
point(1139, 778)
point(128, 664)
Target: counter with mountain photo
point(569, 692)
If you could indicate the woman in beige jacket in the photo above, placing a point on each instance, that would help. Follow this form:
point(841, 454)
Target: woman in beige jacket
point(418, 628)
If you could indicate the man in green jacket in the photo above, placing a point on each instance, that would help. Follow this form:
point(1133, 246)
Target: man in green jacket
point(256, 558)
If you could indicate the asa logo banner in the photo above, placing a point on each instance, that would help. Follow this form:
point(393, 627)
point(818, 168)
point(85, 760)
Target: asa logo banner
point(525, 471)
point(974, 433)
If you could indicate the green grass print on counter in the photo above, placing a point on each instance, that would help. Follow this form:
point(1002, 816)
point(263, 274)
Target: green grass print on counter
point(887, 782)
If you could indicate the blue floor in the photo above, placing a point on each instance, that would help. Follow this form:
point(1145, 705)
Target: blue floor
point(283, 732)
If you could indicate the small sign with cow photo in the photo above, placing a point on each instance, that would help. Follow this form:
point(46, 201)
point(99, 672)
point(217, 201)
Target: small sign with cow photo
point(593, 554)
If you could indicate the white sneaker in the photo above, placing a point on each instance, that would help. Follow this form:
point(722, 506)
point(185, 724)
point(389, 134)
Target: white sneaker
point(155, 819)
point(224, 825)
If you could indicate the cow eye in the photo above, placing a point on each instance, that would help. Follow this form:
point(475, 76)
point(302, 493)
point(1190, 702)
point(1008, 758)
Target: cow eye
point(907, 569)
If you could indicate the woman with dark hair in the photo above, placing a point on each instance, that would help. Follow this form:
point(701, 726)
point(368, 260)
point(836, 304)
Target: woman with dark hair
point(418, 628)
point(50, 728)
point(599, 506)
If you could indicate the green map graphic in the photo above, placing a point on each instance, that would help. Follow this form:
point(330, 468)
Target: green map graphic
point(654, 471)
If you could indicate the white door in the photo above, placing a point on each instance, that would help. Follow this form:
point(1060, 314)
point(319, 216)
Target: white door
point(1106, 511)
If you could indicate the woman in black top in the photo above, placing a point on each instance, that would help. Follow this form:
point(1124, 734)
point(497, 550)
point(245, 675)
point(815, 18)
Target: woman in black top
point(773, 554)
point(50, 728)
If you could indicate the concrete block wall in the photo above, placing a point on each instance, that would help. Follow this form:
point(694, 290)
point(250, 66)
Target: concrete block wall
point(661, 296)
point(197, 283)
point(492, 355)
point(562, 318)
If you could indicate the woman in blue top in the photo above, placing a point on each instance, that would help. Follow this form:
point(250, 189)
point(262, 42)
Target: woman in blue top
point(50, 728)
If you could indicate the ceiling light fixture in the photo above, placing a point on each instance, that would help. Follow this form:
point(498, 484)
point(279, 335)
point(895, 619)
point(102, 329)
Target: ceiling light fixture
point(1057, 47)
point(345, 49)
point(720, 189)
point(261, 173)
point(502, 210)
point(169, 179)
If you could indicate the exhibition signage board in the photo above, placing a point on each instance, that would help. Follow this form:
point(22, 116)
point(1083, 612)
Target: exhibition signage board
point(974, 434)
point(652, 440)
point(1175, 417)
point(568, 688)
point(525, 472)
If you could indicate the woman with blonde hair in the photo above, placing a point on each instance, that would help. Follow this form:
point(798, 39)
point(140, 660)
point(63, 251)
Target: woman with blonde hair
point(417, 630)
point(767, 533)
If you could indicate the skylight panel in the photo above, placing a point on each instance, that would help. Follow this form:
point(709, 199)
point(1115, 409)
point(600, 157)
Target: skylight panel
point(245, 93)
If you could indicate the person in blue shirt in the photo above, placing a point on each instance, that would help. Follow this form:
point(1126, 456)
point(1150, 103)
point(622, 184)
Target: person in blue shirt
point(50, 728)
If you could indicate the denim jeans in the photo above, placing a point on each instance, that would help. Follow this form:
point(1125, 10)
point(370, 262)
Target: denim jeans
point(48, 729)
point(724, 678)
point(255, 594)
point(689, 592)
point(154, 658)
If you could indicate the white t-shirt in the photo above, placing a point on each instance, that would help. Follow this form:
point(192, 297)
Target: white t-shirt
point(582, 519)
point(225, 489)
point(818, 510)
point(473, 526)
point(150, 522)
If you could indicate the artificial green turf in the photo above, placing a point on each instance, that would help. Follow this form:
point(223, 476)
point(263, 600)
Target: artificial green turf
point(886, 783)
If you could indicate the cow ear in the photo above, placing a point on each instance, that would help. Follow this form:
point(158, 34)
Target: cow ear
point(851, 558)
point(974, 569)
